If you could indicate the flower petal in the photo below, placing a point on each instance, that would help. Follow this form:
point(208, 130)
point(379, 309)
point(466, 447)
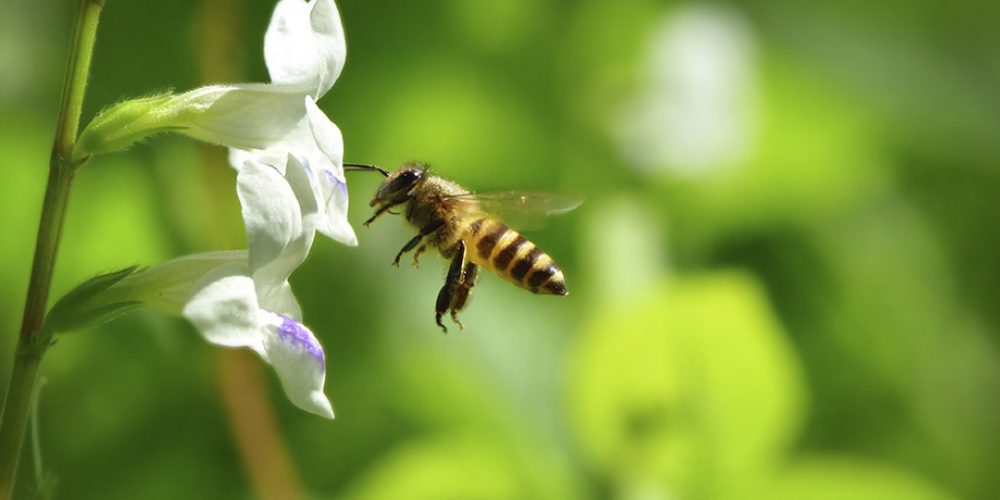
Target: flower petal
point(270, 211)
point(225, 309)
point(305, 43)
point(169, 286)
point(245, 116)
point(298, 359)
point(280, 216)
point(330, 182)
point(281, 300)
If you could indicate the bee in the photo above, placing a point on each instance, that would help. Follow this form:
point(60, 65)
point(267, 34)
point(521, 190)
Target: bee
point(464, 228)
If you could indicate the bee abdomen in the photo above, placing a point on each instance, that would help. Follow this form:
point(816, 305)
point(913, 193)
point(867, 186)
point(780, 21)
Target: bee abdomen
point(512, 256)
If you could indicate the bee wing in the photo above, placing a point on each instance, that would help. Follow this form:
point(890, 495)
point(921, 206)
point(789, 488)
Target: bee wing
point(518, 209)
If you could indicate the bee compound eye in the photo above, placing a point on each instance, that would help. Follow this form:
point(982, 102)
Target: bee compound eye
point(397, 186)
point(405, 180)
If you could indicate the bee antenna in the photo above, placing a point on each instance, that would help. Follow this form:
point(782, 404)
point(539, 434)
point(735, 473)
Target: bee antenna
point(363, 167)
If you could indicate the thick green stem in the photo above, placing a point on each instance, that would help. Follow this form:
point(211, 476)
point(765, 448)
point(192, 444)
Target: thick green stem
point(33, 339)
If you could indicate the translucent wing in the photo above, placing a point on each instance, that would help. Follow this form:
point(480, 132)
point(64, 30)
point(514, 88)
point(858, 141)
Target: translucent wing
point(517, 209)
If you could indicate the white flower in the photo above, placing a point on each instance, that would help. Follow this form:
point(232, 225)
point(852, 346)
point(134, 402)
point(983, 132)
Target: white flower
point(252, 305)
point(304, 50)
point(290, 182)
point(290, 185)
point(242, 299)
point(230, 311)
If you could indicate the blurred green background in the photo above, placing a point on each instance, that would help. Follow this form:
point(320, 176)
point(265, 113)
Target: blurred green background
point(784, 278)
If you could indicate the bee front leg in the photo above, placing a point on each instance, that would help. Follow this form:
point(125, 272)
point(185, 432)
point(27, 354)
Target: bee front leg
point(385, 208)
point(424, 231)
point(456, 274)
point(464, 290)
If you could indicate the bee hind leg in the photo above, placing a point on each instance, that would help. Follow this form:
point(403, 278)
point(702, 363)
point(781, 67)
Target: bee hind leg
point(410, 245)
point(463, 292)
point(456, 274)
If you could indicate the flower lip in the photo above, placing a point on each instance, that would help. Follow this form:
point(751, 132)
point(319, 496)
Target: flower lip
point(294, 333)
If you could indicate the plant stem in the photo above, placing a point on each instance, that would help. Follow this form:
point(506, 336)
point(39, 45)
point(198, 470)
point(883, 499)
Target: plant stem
point(33, 339)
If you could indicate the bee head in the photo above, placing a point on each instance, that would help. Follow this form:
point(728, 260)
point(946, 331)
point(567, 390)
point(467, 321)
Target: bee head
point(400, 184)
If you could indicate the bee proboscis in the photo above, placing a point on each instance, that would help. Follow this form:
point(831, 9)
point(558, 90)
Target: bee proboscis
point(464, 227)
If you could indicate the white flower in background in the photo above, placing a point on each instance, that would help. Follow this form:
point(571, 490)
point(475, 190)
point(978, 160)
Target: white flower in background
point(304, 50)
point(696, 112)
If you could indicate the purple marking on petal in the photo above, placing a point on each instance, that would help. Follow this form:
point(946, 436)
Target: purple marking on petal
point(340, 184)
point(293, 332)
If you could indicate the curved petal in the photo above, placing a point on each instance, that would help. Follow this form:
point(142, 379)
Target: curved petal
point(280, 217)
point(271, 213)
point(298, 359)
point(305, 43)
point(225, 309)
point(245, 116)
point(240, 158)
point(281, 300)
point(331, 186)
point(298, 178)
point(169, 286)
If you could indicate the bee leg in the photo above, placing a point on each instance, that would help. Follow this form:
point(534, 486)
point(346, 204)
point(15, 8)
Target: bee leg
point(456, 273)
point(424, 231)
point(463, 292)
point(416, 255)
point(385, 208)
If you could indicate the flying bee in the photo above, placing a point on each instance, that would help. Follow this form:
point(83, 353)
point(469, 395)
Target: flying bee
point(464, 228)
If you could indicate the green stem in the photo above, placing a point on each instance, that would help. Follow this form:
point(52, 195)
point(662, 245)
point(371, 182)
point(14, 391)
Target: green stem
point(33, 339)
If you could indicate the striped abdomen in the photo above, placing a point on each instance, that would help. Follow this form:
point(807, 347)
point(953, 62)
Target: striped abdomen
point(502, 250)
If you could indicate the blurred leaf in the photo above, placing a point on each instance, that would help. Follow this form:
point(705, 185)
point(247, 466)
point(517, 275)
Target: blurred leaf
point(500, 26)
point(621, 235)
point(826, 478)
point(692, 387)
point(455, 466)
point(916, 372)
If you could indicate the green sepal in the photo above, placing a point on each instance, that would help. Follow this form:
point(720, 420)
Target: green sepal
point(123, 124)
point(91, 303)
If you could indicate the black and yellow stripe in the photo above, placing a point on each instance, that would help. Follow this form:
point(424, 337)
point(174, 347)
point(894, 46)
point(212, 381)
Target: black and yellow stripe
point(500, 249)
